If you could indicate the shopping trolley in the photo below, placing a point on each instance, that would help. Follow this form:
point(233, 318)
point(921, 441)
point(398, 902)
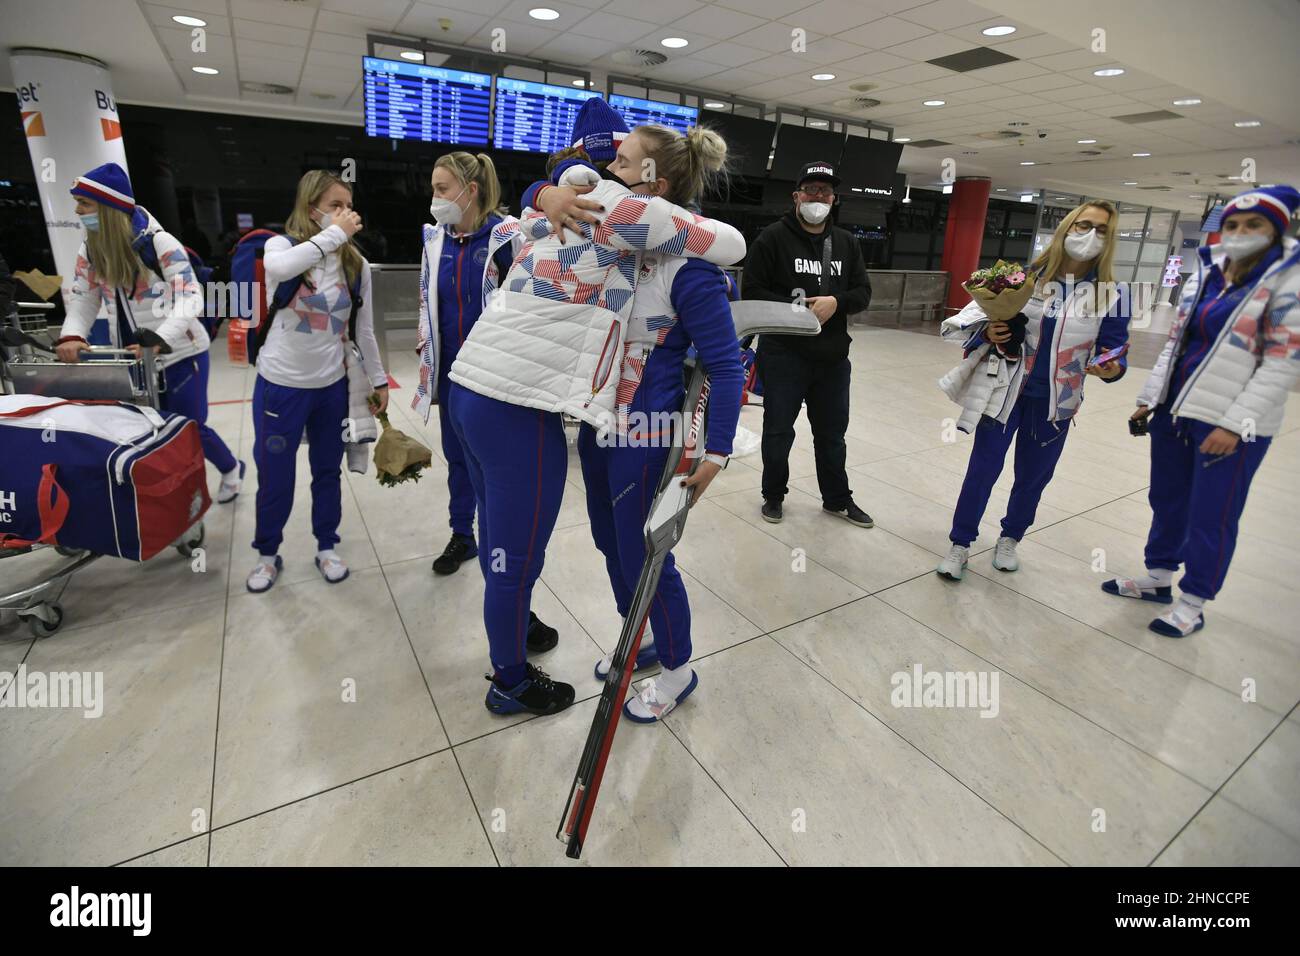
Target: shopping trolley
point(28, 366)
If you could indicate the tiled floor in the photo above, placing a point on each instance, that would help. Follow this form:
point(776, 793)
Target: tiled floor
point(345, 725)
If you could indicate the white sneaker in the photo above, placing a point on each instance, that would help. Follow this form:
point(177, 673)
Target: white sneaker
point(954, 566)
point(1004, 554)
point(264, 575)
point(332, 568)
point(231, 484)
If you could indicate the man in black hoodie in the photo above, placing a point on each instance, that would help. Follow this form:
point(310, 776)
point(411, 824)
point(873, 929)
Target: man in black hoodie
point(788, 261)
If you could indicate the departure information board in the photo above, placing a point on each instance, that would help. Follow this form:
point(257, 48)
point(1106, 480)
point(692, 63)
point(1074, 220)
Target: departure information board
point(536, 117)
point(636, 112)
point(410, 101)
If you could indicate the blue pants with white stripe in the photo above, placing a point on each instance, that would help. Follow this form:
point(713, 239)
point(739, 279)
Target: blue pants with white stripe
point(1196, 501)
point(1037, 451)
point(187, 394)
point(517, 460)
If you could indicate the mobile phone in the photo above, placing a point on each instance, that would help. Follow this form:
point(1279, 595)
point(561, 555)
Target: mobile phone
point(1110, 356)
point(1137, 426)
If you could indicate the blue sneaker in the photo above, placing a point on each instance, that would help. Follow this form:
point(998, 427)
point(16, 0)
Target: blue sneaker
point(535, 694)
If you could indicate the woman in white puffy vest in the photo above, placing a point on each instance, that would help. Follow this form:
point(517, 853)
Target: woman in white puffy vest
point(1215, 399)
point(1030, 390)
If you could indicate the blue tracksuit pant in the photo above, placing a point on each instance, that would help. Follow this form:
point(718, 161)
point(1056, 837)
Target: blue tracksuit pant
point(1037, 451)
point(621, 484)
point(280, 415)
point(187, 394)
point(1196, 501)
point(461, 507)
point(517, 459)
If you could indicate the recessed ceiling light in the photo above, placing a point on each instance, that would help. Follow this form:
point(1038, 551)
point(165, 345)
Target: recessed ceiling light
point(543, 13)
point(1195, 196)
point(1139, 155)
point(1001, 189)
point(1086, 141)
point(816, 122)
point(190, 21)
point(1111, 71)
point(715, 106)
point(674, 43)
point(998, 31)
point(1192, 101)
point(1245, 123)
point(1027, 197)
point(412, 55)
point(1027, 162)
point(205, 70)
point(822, 77)
point(933, 103)
point(579, 82)
point(1131, 184)
point(902, 139)
point(947, 189)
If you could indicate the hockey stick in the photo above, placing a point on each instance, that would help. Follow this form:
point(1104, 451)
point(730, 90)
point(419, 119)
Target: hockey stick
point(663, 530)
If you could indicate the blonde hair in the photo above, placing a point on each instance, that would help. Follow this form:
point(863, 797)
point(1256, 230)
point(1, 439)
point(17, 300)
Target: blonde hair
point(469, 168)
point(691, 163)
point(301, 227)
point(1048, 265)
point(109, 248)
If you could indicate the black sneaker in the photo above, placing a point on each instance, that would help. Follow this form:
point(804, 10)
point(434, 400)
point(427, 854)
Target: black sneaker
point(535, 694)
point(772, 511)
point(852, 514)
point(541, 637)
point(459, 549)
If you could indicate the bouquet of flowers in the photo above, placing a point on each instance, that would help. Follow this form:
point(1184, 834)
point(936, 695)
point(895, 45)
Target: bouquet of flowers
point(398, 456)
point(1001, 290)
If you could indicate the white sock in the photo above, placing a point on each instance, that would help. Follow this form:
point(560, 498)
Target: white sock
point(1155, 578)
point(327, 555)
point(231, 475)
point(672, 682)
point(267, 558)
point(1192, 600)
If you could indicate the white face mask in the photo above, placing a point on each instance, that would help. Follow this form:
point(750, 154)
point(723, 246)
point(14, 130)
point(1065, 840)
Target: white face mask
point(814, 212)
point(446, 212)
point(326, 219)
point(1243, 245)
point(1084, 247)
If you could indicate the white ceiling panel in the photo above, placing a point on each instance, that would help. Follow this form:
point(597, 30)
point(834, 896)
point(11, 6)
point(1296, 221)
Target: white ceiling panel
point(884, 32)
point(275, 11)
point(929, 47)
point(945, 14)
point(732, 54)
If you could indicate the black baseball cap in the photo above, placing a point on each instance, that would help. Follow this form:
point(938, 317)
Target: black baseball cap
point(823, 171)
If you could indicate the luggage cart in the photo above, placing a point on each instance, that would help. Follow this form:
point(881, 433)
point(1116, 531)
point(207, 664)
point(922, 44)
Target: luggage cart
point(28, 366)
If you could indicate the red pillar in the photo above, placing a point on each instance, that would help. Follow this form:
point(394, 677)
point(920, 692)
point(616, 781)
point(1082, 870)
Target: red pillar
point(967, 206)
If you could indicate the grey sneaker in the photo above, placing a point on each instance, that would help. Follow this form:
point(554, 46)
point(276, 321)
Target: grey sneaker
point(1004, 554)
point(953, 567)
point(772, 512)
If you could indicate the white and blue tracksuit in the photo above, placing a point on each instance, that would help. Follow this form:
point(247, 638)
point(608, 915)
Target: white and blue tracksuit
point(1039, 414)
point(302, 385)
point(460, 301)
point(1197, 499)
point(679, 304)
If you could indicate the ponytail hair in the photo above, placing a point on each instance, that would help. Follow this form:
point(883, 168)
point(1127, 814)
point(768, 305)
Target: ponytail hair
point(470, 168)
point(692, 164)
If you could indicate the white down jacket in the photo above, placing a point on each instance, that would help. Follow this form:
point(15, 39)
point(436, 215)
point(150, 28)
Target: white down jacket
point(984, 386)
point(1244, 381)
point(551, 337)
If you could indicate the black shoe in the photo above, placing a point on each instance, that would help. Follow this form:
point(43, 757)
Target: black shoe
point(772, 511)
point(459, 549)
point(852, 514)
point(541, 637)
point(535, 694)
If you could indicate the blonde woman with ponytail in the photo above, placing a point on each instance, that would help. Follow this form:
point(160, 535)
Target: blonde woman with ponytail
point(1076, 315)
point(598, 328)
point(302, 382)
point(144, 278)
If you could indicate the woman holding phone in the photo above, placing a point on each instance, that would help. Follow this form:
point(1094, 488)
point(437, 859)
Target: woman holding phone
point(1033, 395)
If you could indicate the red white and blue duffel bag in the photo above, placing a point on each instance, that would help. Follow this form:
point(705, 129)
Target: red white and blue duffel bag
point(108, 477)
